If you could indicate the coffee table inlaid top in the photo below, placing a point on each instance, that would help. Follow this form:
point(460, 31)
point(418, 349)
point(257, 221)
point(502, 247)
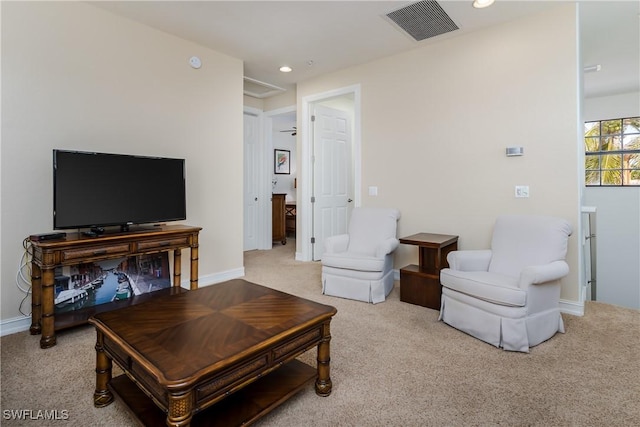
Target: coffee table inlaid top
point(185, 336)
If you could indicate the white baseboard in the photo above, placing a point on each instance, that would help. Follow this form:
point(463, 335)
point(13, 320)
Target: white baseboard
point(15, 325)
point(21, 324)
point(211, 279)
point(575, 308)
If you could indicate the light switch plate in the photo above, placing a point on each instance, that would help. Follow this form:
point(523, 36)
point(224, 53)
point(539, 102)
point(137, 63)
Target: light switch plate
point(522, 191)
point(373, 191)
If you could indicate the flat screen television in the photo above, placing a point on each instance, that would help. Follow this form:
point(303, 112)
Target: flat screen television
point(96, 190)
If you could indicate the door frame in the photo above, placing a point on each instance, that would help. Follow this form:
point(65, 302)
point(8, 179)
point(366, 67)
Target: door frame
point(305, 188)
point(262, 179)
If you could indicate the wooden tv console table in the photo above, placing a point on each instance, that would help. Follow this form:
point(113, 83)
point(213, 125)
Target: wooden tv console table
point(77, 248)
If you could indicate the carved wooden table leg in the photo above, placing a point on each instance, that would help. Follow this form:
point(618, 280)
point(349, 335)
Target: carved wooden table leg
point(194, 264)
point(102, 396)
point(180, 409)
point(36, 299)
point(177, 267)
point(323, 383)
point(48, 338)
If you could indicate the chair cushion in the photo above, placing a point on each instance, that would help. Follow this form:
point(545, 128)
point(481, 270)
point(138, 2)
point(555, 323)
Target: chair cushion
point(369, 227)
point(520, 241)
point(485, 285)
point(353, 261)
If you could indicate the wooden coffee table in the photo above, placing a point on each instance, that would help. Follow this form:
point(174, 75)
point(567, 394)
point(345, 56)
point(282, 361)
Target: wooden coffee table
point(227, 348)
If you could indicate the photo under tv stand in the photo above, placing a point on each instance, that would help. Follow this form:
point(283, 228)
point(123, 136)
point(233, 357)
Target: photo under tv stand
point(76, 248)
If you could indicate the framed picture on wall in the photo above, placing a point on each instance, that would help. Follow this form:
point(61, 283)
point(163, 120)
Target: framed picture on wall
point(282, 161)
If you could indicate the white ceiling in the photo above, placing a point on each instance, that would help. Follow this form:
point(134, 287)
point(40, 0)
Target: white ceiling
point(339, 34)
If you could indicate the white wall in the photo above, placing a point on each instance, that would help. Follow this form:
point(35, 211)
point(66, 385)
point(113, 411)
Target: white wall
point(285, 141)
point(612, 107)
point(281, 110)
point(252, 102)
point(617, 217)
point(77, 77)
point(284, 100)
point(436, 122)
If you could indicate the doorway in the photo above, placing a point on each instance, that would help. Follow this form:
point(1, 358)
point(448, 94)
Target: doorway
point(251, 182)
point(281, 134)
point(330, 145)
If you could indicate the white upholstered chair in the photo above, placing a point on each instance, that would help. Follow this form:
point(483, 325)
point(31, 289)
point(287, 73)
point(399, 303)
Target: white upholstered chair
point(359, 265)
point(508, 296)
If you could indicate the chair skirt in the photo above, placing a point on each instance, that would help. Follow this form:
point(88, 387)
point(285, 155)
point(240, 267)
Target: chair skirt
point(511, 328)
point(367, 286)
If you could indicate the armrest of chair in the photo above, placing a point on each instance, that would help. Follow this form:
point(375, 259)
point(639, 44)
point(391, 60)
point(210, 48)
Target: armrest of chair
point(470, 260)
point(387, 247)
point(339, 243)
point(537, 274)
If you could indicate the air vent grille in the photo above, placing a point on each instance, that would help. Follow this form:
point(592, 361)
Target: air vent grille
point(423, 19)
point(258, 89)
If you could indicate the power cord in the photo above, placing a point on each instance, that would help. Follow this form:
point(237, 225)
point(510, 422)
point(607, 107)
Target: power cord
point(21, 279)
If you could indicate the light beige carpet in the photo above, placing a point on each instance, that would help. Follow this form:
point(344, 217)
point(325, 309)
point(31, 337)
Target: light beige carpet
point(392, 364)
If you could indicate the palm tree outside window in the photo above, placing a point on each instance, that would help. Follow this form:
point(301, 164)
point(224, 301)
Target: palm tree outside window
point(612, 152)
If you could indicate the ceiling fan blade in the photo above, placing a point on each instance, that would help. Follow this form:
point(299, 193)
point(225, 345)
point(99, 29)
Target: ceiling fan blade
point(294, 130)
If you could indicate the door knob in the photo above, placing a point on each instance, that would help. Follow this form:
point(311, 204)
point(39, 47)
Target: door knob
point(349, 200)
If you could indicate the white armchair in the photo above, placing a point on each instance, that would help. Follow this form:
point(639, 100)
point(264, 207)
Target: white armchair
point(508, 296)
point(359, 265)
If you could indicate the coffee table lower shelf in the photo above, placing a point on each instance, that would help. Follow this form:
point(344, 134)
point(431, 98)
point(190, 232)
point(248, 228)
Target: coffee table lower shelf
point(244, 407)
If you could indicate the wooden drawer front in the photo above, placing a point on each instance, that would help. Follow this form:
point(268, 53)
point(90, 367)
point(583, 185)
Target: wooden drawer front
point(116, 354)
point(297, 345)
point(134, 371)
point(95, 252)
point(149, 385)
point(176, 242)
point(225, 382)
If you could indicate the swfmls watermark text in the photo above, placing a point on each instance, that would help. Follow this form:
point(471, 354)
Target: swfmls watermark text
point(35, 414)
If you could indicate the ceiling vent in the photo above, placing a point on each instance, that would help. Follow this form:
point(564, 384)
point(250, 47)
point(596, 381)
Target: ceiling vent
point(258, 89)
point(423, 19)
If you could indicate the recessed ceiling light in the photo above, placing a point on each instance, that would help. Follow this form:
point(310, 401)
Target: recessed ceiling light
point(479, 4)
point(286, 69)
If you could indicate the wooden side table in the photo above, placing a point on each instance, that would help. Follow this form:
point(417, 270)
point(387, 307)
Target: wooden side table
point(278, 218)
point(290, 218)
point(420, 284)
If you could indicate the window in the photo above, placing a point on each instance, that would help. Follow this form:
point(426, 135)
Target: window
point(612, 152)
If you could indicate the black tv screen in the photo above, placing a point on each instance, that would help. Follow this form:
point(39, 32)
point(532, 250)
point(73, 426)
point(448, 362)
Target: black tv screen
point(94, 190)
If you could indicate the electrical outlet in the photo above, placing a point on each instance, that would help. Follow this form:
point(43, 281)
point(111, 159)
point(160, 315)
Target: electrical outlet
point(522, 191)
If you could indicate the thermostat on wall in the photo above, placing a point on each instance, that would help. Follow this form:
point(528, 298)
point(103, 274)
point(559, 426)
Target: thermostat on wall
point(515, 151)
point(195, 62)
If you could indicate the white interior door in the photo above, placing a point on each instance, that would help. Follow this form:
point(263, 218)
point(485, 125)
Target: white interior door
point(251, 181)
point(331, 175)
